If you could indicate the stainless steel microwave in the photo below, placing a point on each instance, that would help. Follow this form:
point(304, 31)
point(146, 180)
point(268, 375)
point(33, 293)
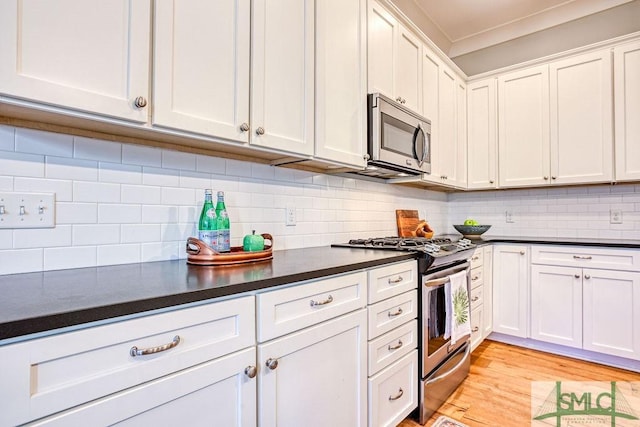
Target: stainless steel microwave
point(399, 140)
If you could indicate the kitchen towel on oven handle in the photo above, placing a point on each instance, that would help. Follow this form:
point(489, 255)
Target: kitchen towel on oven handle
point(456, 296)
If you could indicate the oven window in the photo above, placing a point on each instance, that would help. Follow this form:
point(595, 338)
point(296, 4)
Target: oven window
point(437, 320)
point(397, 136)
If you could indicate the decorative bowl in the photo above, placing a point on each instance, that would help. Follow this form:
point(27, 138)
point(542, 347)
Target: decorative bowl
point(471, 231)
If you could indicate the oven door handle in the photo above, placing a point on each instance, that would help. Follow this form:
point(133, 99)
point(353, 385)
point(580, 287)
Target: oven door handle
point(467, 352)
point(436, 282)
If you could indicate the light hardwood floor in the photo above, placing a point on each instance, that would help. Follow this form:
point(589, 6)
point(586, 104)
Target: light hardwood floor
point(497, 391)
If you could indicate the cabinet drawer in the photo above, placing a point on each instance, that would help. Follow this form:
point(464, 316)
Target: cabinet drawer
point(476, 277)
point(391, 280)
point(391, 313)
point(393, 392)
point(51, 374)
point(392, 346)
point(476, 297)
point(574, 256)
point(476, 327)
point(477, 258)
point(286, 310)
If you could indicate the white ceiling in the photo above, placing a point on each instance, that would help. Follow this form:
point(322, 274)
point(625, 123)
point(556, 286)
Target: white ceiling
point(471, 25)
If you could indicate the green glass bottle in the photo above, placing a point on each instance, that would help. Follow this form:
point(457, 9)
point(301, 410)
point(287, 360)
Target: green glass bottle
point(207, 225)
point(223, 225)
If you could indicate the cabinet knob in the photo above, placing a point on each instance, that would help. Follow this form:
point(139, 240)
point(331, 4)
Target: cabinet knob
point(586, 276)
point(577, 276)
point(140, 102)
point(260, 131)
point(553, 177)
point(490, 181)
point(244, 127)
point(272, 363)
point(251, 371)
point(546, 178)
point(521, 252)
point(476, 329)
point(403, 101)
point(399, 99)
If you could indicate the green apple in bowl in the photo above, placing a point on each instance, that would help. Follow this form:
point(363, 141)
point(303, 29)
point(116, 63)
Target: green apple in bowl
point(470, 221)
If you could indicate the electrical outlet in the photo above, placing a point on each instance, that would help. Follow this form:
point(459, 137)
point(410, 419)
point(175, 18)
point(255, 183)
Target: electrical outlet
point(615, 216)
point(508, 216)
point(290, 215)
point(27, 210)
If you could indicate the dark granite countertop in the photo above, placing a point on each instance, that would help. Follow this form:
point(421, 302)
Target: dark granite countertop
point(577, 241)
point(44, 301)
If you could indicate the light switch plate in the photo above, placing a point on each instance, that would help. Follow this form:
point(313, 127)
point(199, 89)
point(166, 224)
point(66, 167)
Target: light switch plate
point(27, 210)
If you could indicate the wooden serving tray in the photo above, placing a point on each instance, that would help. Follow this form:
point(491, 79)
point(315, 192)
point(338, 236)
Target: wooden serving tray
point(199, 253)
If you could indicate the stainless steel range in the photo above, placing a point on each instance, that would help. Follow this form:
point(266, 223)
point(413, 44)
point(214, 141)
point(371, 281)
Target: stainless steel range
point(443, 364)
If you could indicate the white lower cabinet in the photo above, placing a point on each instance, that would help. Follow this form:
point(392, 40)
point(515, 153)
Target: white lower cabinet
point(393, 339)
point(315, 377)
point(511, 289)
point(480, 298)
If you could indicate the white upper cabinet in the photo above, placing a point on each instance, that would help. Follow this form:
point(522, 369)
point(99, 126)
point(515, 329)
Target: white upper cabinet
point(203, 90)
point(87, 55)
point(341, 81)
point(394, 58)
point(282, 75)
point(523, 127)
point(482, 142)
point(581, 123)
point(627, 111)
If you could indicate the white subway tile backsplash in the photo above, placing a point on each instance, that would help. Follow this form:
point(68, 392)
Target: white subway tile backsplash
point(141, 155)
point(70, 257)
point(21, 261)
point(119, 173)
point(140, 194)
point(118, 254)
point(42, 237)
point(160, 177)
point(75, 169)
point(96, 192)
point(63, 189)
point(119, 214)
point(140, 233)
point(40, 142)
point(178, 160)
point(263, 172)
point(198, 180)
point(159, 214)
point(7, 138)
point(178, 232)
point(6, 183)
point(95, 234)
point(95, 149)
point(179, 196)
point(21, 164)
point(210, 164)
point(162, 251)
point(238, 168)
point(6, 239)
point(76, 213)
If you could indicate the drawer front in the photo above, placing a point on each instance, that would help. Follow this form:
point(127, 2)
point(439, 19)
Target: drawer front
point(574, 256)
point(393, 392)
point(392, 280)
point(476, 297)
point(47, 375)
point(476, 327)
point(477, 258)
point(287, 310)
point(391, 346)
point(476, 277)
point(391, 313)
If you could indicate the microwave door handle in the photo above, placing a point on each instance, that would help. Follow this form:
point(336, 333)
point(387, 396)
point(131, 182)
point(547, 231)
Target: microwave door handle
point(426, 143)
point(415, 145)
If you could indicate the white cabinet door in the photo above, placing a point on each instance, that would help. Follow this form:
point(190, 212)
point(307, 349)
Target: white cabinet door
point(458, 177)
point(409, 70)
point(523, 127)
point(431, 69)
point(626, 66)
point(213, 393)
point(382, 29)
point(482, 142)
point(201, 67)
point(446, 143)
point(87, 55)
point(581, 123)
point(282, 75)
point(487, 290)
point(511, 289)
point(556, 305)
point(341, 81)
point(612, 312)
point(315, 377)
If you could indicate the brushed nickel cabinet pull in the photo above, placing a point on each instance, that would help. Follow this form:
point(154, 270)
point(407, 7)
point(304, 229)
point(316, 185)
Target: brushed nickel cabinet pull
point(140, 102)
point(251, 371)
point(317, 303)
point(397, 396)
point(476, 329)
point(244, 127)
point(397, 346)
point(586, 276)
point(582, 257)
point(271, 363)
point(397, 313)
point(394, 281)
point(135, 351)
point(474, 299)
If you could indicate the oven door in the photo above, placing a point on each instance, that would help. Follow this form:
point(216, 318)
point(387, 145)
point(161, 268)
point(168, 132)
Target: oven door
point(435, 347)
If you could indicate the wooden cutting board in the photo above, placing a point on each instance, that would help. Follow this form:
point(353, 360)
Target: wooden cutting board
point(409, 222)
